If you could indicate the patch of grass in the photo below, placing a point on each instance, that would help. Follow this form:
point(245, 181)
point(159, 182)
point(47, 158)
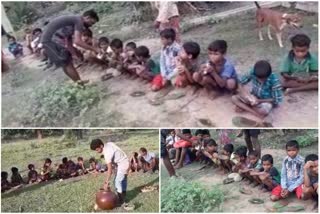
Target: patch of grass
point(182, 196)
point(76, 194)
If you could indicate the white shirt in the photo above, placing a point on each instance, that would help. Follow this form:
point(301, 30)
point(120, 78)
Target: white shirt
point(113, 154)
point(148, 157)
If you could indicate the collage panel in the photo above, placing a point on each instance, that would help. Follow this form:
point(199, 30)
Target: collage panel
point(239, 170)
point(94, 64)
point(80, 170)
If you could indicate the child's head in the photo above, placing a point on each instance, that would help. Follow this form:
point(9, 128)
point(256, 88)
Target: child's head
point(86, 35)
point(47, 162)
point(135, 154)
point(14, 170)
point(11, 39)
point(168, 36)
point(262, 70)
point(36, 32)
point(143, 151)
point(300, 45)
point(206, 134)
point(216, 50)
point(172, 132)
point(142, 53)
point(92, 161)
point(31, 167)
point(228, 149)
point(130, 48)
point(241, 153)
point(314, 166)
point(253, 157)
point(211, 145)
point(103, 43)
point(65, 160)
point(198, 133)
point(4, 175)
point(187, 133)
point(267, 162)
point(292, 148)
point(80, 159)
point(116, 46)
point(97, 145)
point(190, 50)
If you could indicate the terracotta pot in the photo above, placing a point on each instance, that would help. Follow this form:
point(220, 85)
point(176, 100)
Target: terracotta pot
point(106, 199)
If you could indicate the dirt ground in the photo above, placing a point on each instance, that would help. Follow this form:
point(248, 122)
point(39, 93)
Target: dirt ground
point(234, 200)
point(118, 108)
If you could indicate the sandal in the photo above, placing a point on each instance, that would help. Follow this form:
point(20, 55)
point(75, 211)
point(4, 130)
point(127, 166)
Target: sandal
point(228, 180)
point(106, 77)
point(137, 94)
point(256, 201)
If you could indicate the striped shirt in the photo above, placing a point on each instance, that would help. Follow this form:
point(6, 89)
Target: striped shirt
point(292, 172)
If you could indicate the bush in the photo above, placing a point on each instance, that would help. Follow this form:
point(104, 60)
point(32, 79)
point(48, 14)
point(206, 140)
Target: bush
point(305, 140)
point(57, 103)
point(181, 196)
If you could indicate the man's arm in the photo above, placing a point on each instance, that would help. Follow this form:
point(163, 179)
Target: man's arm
point(109, 173)
point(306, 179)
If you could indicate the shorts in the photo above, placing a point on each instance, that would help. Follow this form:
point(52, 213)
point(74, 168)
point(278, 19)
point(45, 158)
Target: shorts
point(252, 132)
point(182, 144)
point(158, 81)
point(277, 191)
point(163, 151)
point(57, 54)
point(120, 182)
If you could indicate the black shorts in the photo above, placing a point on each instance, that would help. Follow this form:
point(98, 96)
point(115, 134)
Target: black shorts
point(57, 54)
point(252, 132)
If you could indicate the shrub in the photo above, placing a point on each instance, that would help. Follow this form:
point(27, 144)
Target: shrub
point(181, 196)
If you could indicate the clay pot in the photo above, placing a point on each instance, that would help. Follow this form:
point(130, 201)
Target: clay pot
point(106, 199)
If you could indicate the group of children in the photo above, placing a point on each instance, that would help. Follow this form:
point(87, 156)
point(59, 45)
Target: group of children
point(145, 161)
point(66, 169)
point(298, 175)
point(259, 91)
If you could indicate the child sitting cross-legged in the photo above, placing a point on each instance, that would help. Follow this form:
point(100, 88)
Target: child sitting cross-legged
point(311, 177)
point(15, 48)
point(80, 168)
point(32, 174)
point(134, 163)
point(16, 179)
point(148, 161)
point(5, 184)
point(268, 176)
point(291, 173)
point(226, 163)
point(300, 68)
point(116, 60)
point(46, 171)
point(169, 52)
point(254, 165)
point(265, 92)
point(210, 151)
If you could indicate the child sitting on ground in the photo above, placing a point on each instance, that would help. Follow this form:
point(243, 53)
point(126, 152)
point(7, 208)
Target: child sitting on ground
point(62, 171)
point(268, 176)
point(146, 68)
point(129, 58)
point(300, 68)
point(241, 159)
point(253, 166)
point(32, 174)
point(134, 163)
point(83, 54)
point(265, 94)
point(187, 63)
point(95, 167)
point(5, 184)
point(310, 183)
point(72, 168)
point(211, 152)
point(15, 48)
point(80, 168)
point(46, 171)
point(291, 173)
point(169, 52)
point(226, 164)
point(16, 178)
point(103, 44)
point(218, 73)
point(148, 160)
point(116, 60)
point(28, 38)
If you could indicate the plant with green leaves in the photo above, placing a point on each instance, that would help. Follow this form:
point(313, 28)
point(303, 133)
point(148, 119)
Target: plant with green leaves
point(52, 104)
point(182, 196)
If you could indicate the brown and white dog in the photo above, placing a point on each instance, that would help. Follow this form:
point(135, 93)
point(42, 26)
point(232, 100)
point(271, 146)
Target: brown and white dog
point(275, 20)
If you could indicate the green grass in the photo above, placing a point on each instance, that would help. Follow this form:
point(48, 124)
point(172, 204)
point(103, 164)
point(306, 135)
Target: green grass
point(76, 194)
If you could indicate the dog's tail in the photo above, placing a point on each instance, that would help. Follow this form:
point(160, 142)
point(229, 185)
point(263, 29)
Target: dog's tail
point(257, 5)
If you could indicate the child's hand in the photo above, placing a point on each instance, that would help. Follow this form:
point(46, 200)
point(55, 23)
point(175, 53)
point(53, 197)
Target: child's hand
point(284, 193)
point(302, 80)
point(181, 69)
point(164, 81)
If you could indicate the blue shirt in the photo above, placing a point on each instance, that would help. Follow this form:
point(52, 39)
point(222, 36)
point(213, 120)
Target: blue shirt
point(228, 71)
point(167, 64)
point(14, 47)
point(270, 89)
point(292, 172)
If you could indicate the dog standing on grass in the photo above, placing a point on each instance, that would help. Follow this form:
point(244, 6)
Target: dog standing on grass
point(275, 20)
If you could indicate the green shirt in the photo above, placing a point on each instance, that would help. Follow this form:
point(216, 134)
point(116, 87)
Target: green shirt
point(153, 67)
point(291, 67)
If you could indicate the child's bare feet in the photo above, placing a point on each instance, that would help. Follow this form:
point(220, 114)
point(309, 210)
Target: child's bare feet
point(239, 110)
point(254, 184)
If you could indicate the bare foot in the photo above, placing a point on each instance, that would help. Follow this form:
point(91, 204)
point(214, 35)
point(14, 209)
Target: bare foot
point(238, 109)
point(288, 91)
point(178, 166)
